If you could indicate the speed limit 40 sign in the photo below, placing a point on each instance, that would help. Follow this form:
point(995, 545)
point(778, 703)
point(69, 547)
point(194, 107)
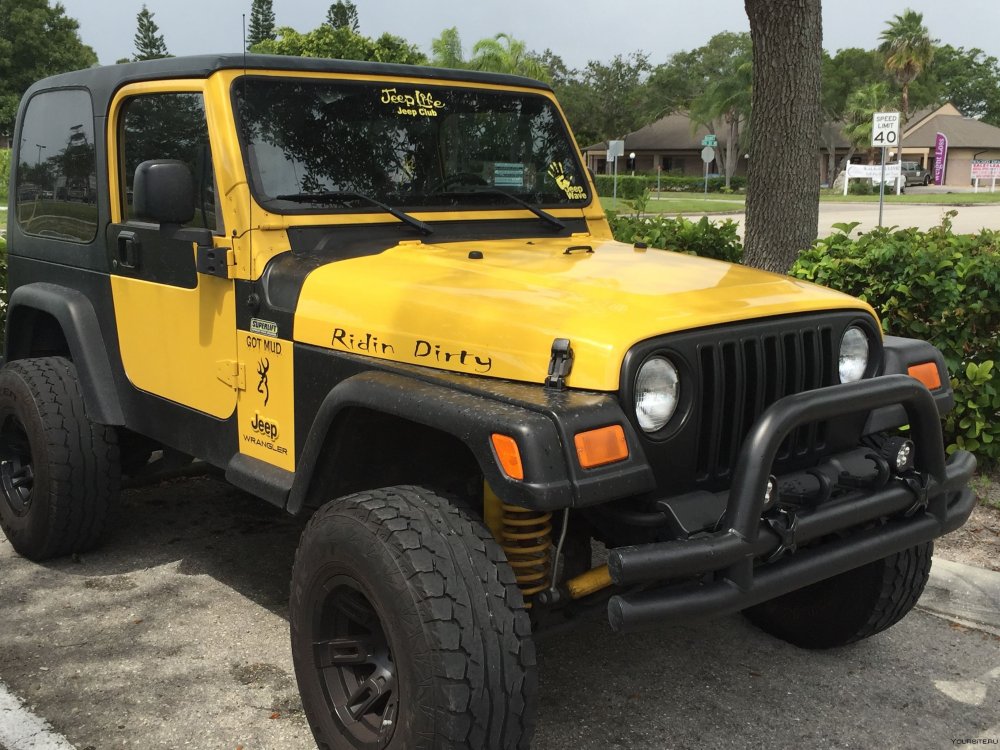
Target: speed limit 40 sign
point(885, 129)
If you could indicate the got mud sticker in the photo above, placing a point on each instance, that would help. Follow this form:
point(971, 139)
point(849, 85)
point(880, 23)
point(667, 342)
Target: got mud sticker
point(558, 173)
point(412, 103)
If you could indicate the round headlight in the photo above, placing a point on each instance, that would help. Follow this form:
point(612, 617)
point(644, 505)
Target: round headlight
point(853, 355)
point(657, 391)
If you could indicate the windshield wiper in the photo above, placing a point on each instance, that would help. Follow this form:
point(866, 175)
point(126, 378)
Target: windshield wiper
point(543, 215)
point(342, 196)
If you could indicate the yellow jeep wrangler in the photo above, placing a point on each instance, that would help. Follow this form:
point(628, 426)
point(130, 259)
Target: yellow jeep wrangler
point(387, 298)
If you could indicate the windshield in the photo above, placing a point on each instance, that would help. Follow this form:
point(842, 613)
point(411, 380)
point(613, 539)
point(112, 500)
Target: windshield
point(310, 144)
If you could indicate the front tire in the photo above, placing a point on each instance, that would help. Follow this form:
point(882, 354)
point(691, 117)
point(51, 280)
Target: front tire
point(848, 607)
point(408, 629)
point(59, 472)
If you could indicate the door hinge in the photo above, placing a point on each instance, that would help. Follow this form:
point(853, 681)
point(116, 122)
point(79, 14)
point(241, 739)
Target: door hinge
point(215, 261)
point(232, 373)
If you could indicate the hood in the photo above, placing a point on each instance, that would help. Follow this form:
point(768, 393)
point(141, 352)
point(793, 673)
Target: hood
point(497, 315)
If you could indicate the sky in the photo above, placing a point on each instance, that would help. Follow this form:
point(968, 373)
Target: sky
point(578, 31)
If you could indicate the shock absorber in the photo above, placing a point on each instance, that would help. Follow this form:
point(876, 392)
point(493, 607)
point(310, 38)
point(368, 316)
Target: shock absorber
point(526, 538)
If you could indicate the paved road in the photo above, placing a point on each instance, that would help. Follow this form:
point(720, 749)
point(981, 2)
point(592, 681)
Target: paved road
point(175, 635)
point(969, 218)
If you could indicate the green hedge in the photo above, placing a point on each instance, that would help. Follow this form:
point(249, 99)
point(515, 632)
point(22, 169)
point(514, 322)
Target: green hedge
point(631, 187)
point(937, 286)
point(4, 173)
point(706, 238)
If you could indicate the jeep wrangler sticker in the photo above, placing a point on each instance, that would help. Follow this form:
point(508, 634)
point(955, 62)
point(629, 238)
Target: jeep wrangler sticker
point(267, 400)
point(412, 104)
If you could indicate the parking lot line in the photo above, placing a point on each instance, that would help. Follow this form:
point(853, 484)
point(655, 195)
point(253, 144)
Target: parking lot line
point(22, 730)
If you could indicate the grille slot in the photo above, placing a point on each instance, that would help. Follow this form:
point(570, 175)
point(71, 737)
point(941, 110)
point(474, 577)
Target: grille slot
point(743, 375)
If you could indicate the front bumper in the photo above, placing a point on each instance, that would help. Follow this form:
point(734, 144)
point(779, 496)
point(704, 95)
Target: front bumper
point(934, 501)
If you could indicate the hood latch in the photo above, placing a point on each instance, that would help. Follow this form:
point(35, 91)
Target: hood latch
point(560, 364)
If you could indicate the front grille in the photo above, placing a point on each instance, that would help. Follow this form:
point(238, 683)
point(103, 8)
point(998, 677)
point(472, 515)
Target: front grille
point(741, 375)
point(729, 375)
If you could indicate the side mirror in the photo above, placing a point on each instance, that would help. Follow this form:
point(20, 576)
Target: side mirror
point(163, 192)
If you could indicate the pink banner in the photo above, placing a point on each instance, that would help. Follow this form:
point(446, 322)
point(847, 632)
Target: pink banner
point(940, 158)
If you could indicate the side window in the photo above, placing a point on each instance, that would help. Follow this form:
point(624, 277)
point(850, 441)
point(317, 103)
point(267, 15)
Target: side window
point(169, 126)
point(56, 187)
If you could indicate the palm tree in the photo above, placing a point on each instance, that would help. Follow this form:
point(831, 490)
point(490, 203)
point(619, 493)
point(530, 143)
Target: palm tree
point(861, 105)
point(505, 54)
point(727, 99)
point(446, 49)
point(908, 49)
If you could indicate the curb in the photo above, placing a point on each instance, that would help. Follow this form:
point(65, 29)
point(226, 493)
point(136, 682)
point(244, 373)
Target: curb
point(964, 594)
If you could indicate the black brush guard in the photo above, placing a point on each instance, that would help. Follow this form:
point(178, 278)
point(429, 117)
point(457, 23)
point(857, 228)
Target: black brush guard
point(932, 501)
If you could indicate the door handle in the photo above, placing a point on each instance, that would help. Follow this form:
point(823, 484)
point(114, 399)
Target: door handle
point(128, 250)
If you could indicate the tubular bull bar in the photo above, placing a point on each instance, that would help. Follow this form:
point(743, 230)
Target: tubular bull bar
point(933, 502)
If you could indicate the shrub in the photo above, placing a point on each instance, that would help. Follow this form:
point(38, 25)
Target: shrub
point(938, 286)
point(860, 187)
point(706, 238)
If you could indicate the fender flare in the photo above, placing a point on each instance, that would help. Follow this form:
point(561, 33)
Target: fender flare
point(467, 417)
point(75, 314)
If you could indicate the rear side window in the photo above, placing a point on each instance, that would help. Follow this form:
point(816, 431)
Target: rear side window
point(56, 186)
point(169, 126)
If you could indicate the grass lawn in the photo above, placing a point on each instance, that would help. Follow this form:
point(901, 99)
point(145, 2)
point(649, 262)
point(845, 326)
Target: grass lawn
point(683, 203)
point(698, 203)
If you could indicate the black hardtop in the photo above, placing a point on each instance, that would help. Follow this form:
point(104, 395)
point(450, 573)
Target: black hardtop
point(105, 80)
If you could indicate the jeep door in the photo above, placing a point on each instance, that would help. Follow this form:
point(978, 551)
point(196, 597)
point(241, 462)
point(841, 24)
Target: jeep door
point(176, 327)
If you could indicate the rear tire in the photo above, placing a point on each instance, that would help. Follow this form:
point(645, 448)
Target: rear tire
point(849, 607)
point(408, 629)
point(59, 472)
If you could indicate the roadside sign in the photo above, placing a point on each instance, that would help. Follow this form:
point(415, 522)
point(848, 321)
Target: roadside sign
point(874, 171)
point(710, 140)
point(985, 169)
point(615, 149)
point(885, 129)
point(707, 154)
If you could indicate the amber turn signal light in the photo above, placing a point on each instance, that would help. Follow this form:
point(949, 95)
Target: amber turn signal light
point(604, 445)
point(927, 373)
point(508, 454)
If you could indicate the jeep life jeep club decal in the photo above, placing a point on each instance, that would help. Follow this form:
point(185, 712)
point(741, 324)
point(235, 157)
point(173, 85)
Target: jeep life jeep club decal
point(412, 103)
point(266, 405)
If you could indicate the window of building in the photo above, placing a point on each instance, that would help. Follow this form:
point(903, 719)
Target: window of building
point(56, 184)
point(169, 126)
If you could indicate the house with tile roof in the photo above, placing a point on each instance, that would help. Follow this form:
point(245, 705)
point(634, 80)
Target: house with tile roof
point(968, 139)
point(672, 145)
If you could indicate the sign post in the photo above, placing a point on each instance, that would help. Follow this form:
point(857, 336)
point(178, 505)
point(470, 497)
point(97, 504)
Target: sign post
point(707, 154)
point(615, 149)
point(885, 134)
point(986, 169)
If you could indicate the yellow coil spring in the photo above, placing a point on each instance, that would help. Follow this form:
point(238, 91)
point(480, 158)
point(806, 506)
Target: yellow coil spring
point(526, 537)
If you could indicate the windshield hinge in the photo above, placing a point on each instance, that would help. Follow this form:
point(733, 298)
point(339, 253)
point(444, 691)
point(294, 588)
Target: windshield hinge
point(231, 373)
point(215, 261)
point(560, 364)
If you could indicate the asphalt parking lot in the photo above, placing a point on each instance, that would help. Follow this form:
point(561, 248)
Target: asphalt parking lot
point(175, 635)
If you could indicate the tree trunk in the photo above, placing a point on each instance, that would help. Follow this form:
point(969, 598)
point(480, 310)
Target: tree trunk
point(782, 207)
point(847, 159)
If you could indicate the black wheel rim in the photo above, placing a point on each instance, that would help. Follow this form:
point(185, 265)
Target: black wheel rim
point(354, 662)
point(17, 472)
